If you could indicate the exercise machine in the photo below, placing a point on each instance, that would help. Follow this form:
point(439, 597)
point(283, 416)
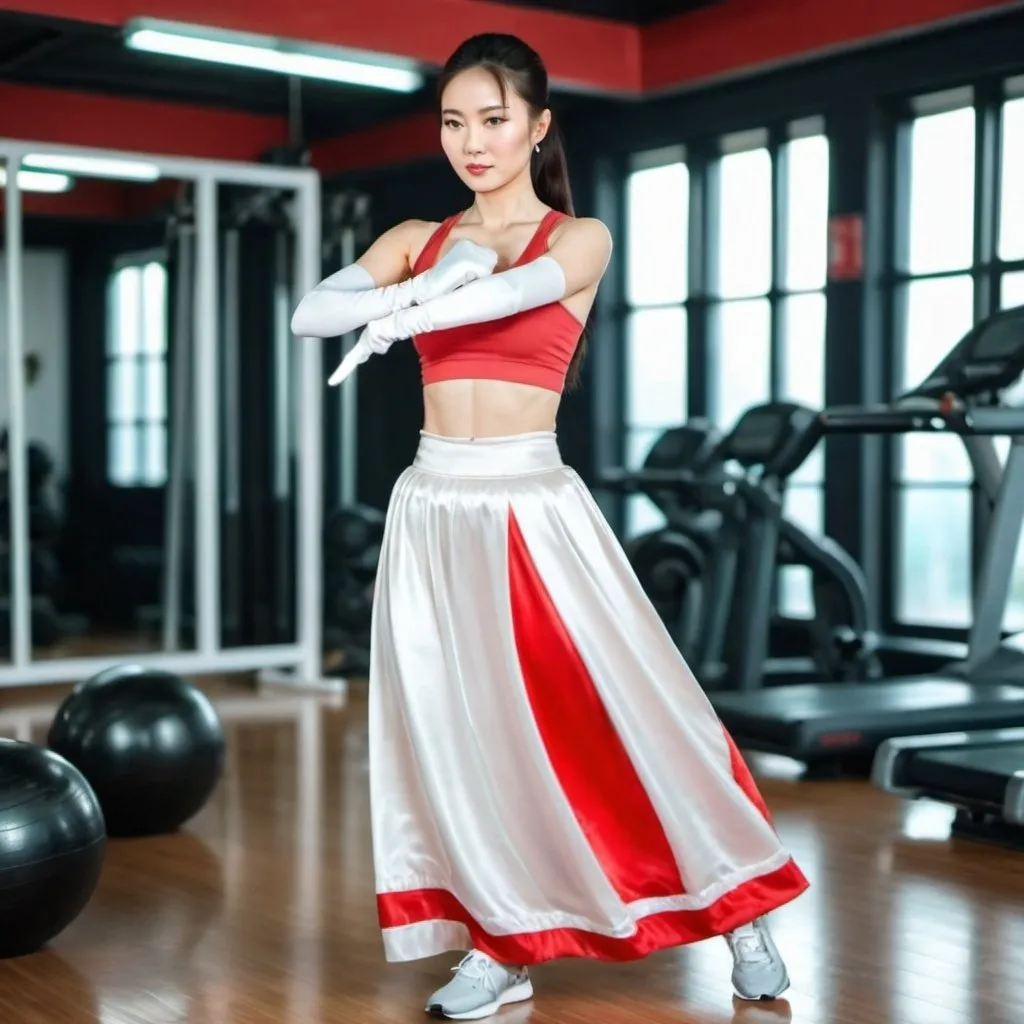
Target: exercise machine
point(674, 563)
point(743, 482)
point(980, 773)
point(770, 442)
point(838, 727)
point(257, 456)
point(353, 535)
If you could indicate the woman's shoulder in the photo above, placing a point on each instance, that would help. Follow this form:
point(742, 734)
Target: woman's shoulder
point(413, 235)
point(589, 231)
point(418, 228)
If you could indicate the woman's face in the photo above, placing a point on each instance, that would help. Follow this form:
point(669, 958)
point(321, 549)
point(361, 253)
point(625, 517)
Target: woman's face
point(487, 140)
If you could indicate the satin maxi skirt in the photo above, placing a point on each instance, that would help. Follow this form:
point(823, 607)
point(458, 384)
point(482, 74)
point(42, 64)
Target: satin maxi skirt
point(547, 777)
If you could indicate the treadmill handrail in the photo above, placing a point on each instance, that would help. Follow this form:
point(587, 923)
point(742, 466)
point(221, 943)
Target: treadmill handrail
point(839, 564)
point(997, 421)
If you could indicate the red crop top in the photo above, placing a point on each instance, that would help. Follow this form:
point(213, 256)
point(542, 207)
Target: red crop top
point(531, 347)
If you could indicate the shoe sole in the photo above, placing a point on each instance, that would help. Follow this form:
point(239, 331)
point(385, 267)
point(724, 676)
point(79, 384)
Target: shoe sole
point(764, 997)
point(515, 994)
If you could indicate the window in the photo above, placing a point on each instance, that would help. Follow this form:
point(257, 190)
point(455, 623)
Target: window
point(740, 279)
point(943, 265)
point(767, 312)
point(137, 374)
point(1011, 281)
point(657, 210)
point(934, 307)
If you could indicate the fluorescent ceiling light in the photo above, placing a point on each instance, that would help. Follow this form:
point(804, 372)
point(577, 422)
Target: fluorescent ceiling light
point(38, 181)
point(265, 53)
point(93, 166)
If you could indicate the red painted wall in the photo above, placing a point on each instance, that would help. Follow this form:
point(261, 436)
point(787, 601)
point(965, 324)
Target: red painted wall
point(707, 44)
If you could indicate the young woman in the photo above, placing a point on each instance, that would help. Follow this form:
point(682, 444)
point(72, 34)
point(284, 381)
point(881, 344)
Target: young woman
point(548, 779)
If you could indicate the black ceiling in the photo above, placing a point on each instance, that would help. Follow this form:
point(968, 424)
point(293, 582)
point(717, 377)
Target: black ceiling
point(84, 56)
point(91, 58)
point(631, 12)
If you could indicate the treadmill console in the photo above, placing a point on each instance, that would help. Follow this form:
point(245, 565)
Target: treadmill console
point(685, 447)
point(990, 357)
point(777, 436)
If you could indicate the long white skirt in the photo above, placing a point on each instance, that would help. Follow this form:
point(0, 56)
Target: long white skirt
point(548, 779)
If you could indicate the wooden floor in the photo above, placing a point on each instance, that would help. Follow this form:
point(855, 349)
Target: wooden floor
point(263, 909)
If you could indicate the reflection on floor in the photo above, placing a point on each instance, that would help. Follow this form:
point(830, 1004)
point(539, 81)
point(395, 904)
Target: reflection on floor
point(262, 909)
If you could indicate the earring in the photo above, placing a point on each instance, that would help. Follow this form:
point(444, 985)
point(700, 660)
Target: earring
point(537, 147)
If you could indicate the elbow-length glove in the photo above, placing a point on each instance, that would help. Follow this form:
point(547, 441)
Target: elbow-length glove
point(349, 299)
point(538, 283)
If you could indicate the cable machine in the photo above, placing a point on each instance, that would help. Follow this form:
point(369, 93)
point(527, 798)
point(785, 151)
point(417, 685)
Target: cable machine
point(347, 232)
point(258, 452)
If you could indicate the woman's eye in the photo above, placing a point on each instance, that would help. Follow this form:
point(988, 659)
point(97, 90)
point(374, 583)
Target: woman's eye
point(451, 124)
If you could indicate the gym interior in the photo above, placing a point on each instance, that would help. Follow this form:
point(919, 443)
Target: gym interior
point(810, 336)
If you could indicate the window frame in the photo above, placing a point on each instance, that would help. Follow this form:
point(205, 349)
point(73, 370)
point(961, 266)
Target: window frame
point(664, 156)
point(775, 138)
point(986, 96)
point(701, 302)
point(136, 259)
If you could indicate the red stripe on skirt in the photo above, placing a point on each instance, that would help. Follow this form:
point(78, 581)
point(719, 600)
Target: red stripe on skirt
point(741, 773)
point(593, 767)
point(671, 928)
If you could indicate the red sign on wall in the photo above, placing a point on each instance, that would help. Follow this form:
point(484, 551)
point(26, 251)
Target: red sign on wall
point(846, 247)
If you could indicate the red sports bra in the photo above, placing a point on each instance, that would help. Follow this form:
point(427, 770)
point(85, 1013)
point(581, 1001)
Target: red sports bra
point(532, 347)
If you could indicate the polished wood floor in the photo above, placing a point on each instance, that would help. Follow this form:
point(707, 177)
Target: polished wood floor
point(262, 909)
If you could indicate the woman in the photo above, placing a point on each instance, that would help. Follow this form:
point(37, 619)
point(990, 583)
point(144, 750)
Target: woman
point(547, 777)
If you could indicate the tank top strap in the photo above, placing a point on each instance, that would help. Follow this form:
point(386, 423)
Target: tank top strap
point(539, 243)
point(428, 255)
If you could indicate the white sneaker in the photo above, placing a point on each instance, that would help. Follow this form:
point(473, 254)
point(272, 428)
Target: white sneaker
point(481, 986)
point(758, 971)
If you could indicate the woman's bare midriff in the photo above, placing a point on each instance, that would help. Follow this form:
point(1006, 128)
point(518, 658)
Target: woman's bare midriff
point(490, 408)
point(487, 408)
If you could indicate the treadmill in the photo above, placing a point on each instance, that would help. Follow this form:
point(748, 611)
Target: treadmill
point(742, 483)
point(675, 562)
point(838, 727)
point(981, 774)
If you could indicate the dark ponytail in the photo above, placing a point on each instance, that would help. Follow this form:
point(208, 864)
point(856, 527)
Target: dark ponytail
point(550, 172)
point(514, 63)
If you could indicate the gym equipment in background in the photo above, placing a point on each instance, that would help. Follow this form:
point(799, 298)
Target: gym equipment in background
point(837, 728)
point(49, 625)
point(53, 842)
point(352, 538)
point(743, 482)
point(258, 440)
point(979, 773)
point(674, 563)
point(150, 744)
point(347, 232)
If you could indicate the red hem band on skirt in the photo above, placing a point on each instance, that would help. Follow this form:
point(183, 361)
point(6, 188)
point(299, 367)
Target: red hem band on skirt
point(655, 932)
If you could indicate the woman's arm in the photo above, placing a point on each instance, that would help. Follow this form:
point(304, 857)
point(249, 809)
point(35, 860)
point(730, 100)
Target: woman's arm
point(576, 261)
point(378, 283)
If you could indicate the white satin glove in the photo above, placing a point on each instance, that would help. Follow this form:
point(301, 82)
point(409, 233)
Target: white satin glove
point(349, 299)
point(538, 283)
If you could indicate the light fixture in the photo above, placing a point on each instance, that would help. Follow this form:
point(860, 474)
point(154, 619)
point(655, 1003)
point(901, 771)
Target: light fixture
point(286, 57)
point(38, 181)
point(93, 166)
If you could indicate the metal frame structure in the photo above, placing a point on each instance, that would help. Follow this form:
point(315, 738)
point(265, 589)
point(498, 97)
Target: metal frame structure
point(297, 663)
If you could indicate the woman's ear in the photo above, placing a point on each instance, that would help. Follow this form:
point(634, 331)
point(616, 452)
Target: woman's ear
point(541, 126)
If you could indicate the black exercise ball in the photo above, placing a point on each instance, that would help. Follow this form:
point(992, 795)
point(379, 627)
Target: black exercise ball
point(52, 841)
point(150, 744)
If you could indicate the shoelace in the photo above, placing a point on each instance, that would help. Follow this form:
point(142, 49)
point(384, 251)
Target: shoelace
point(750, 948)
point(476, 967)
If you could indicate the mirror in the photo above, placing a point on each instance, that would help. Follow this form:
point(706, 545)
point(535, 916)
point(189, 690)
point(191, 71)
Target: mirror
point(43, 368)
point(6, 625)
point(107, 298)
point(159, 367)
point(258, 467)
